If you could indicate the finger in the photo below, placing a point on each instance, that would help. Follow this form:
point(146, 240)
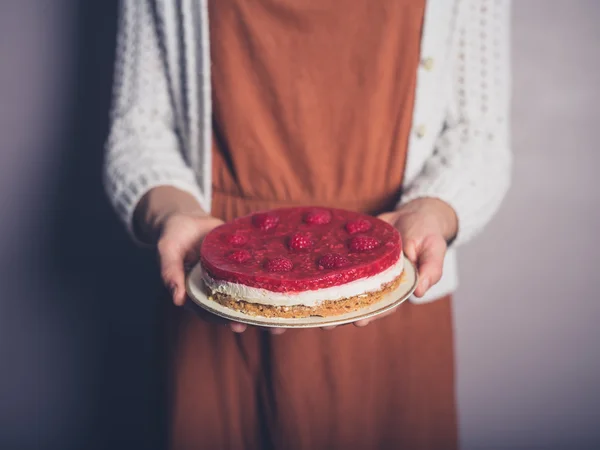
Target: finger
point(430, 263)
point(387, 217)
point(237, 327)
point(329, 328)
point(277, 331)
point(410, 250)
point(172, 270)
point(362, 323)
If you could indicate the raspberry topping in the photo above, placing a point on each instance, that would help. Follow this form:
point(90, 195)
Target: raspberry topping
point(332, 261)
point(292, 250)
point(363, 243)
point(240, 256)
point(237, 240)
point(358, 226)
point(279, 265)
point(265, 221)
point(300, 242)
point(317, 216)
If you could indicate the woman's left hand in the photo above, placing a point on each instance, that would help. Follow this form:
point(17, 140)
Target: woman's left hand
point(426, 226)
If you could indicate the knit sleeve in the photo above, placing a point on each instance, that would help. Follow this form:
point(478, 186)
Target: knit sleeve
point(143, 149)
point(470, 168)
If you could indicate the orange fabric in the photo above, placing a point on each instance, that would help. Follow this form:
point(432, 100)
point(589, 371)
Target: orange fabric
point(312, 105)
point(389, 385)
point(313, 101)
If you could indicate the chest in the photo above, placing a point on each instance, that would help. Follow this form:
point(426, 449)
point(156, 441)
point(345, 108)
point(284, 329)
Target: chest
point(441, 22)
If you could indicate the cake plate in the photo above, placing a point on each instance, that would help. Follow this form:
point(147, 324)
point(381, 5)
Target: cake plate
point(197, 293)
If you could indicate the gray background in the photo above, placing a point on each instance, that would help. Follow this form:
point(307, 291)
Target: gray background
point(79, 308)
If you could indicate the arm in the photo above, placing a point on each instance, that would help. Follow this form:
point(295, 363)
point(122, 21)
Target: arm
point(147, 179)
point(470, 169)
point(143, 150)
point(463, 183)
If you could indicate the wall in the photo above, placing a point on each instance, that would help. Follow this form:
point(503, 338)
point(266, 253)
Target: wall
point(78, 356)
point(528, 310)
point(78, 304)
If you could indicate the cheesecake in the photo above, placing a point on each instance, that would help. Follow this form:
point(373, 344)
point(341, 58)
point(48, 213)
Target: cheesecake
point(301, 262)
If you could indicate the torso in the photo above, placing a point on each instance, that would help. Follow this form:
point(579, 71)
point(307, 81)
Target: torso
point(308, 111)
point(311, 106)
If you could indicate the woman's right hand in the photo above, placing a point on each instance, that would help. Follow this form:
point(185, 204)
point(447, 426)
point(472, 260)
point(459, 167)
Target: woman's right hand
point(178, 248)
point(175, 222)
point(178, 245)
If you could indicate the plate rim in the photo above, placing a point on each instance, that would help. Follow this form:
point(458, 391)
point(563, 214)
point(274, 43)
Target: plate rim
point(266, 322)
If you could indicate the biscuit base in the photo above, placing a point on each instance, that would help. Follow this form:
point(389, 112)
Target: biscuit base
point(327, 308)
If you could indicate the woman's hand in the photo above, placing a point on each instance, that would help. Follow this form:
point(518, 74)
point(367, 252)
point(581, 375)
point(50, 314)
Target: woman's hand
point(426, 226)
point(178, 248)
point(174, 221)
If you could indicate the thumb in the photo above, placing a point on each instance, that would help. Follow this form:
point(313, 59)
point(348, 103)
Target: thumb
point(172, 270)
point(430, 262)
point(410, 250)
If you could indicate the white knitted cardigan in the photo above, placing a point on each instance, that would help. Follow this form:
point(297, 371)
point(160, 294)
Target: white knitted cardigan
point(458, 152)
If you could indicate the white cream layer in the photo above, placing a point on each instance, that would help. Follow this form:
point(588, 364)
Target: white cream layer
point(306, 298)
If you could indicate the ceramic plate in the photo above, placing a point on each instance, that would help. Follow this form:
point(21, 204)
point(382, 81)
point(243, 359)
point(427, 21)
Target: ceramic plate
point(197, 292)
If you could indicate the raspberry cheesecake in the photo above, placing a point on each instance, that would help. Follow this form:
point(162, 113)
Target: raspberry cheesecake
point(301, 262)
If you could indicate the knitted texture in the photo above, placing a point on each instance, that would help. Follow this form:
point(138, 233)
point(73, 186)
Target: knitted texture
point(470, 166)
point(459, 152)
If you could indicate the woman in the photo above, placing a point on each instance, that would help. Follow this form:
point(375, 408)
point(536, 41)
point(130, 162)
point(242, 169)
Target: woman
point(390, 107)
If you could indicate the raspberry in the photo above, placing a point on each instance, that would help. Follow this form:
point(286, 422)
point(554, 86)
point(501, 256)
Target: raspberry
point(358, 226)
point(240, 256)
point(363, 243)
point(265, 221)
point(317, 217)
point(332, 261)
point(300, 241)
point(237, 240)
point(279, 265)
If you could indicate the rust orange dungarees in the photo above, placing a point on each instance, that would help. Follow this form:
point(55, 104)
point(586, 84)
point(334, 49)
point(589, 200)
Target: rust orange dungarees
point(313, 102)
